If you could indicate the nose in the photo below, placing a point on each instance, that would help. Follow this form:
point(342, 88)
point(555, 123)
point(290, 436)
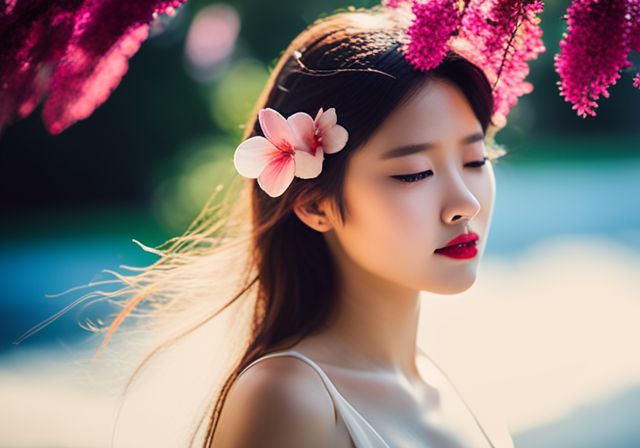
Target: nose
point(459, 202)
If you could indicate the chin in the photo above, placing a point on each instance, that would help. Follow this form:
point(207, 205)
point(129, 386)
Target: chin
point(454, 285)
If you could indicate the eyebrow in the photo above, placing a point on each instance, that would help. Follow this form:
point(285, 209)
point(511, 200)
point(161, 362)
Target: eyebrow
point(417, 147)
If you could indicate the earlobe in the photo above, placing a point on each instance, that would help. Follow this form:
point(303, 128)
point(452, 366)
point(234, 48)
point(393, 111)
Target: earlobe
point(313, 216)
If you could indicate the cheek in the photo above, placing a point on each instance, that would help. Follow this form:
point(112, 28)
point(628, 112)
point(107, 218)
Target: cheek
point(390, 228)
point(411, 211)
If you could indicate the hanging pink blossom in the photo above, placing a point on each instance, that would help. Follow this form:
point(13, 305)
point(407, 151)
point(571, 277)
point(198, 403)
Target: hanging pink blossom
point(6, 6)
point(593, 51)
point(501, 36)
point(75, 51)
point(430, 31)
point(33, 35)
point(634, 24)
point(634, 37)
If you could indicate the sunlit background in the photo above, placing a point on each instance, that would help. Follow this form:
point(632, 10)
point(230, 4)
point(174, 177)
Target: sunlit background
point(548, 334)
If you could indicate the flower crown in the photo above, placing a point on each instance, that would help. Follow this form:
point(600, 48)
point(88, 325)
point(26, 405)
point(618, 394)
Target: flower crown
point(293, 147)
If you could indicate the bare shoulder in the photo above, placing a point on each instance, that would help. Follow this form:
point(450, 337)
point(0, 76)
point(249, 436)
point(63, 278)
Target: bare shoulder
point(278, 402)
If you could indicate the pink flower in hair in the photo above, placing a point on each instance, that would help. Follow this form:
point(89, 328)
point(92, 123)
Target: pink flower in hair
point(292, 147)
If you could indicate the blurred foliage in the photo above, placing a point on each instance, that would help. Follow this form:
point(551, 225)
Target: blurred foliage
point(185, 182)
point(233, 97)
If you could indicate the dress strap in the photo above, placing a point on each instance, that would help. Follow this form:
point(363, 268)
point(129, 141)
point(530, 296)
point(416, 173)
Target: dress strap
point(295, 354)
point(361, 431)
point(486, 436)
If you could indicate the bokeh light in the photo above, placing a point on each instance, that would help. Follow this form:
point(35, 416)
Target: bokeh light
point(211, 40)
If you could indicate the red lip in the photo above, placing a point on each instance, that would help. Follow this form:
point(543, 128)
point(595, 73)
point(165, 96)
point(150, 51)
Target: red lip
point(462, 246)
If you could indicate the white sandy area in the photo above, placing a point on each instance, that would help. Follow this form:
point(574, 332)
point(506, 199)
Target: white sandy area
point(536, 336)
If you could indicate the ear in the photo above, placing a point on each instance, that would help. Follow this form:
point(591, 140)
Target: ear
point(315, 214)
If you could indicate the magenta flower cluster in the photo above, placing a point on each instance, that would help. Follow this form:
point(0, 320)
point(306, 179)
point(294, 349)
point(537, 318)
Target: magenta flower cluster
point(504, 36)
point(73, 51)
point(429, 32)
point(600, 37)
point(500, 36)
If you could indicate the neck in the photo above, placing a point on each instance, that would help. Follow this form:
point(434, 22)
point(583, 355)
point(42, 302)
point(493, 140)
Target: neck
point(376, 324)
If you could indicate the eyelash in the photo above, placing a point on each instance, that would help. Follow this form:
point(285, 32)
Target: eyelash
point(419, 176)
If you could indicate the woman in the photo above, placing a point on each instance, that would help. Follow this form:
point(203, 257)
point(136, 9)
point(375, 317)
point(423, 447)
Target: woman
point(342, 257)
point(342, 241)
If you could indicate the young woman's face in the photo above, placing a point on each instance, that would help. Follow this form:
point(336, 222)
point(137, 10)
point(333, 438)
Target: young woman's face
point(393, 226)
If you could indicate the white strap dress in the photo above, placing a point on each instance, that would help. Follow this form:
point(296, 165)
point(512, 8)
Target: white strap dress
point(360, 430)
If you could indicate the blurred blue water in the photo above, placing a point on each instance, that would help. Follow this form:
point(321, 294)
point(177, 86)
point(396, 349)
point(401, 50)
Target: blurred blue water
point(532, 203)
point(536, 202)
point(35, 268)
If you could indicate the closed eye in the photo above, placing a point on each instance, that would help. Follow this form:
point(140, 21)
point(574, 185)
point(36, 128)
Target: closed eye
point(423, 174)
point(478, 163)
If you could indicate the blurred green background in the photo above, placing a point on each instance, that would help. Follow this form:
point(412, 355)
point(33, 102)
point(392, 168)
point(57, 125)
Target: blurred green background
point(176, 116)
point(144, 163)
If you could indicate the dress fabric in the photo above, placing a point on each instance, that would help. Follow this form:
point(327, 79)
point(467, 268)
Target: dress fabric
point(360, 430)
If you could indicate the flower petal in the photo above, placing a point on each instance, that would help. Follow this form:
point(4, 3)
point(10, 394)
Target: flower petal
point(303, 131)
point(334, 139)
point(277, 175)
point(253, 155)
point(308, 166)
point(276, 129)
point(326, 120)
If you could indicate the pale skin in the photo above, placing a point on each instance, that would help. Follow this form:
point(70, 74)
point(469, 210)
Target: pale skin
point(385, 257)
